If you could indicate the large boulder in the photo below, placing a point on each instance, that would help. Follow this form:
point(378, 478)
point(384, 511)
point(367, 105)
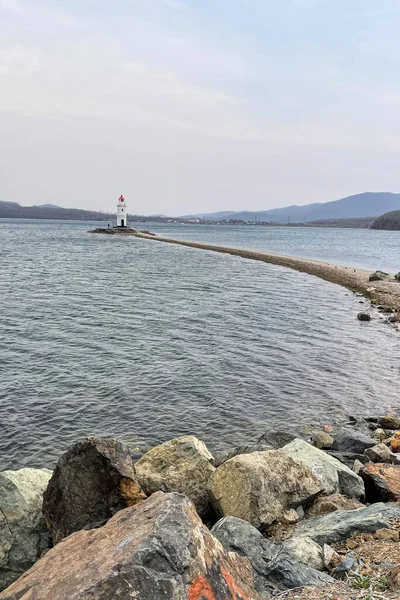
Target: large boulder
point(350, 440)
point(334, 475)
point(156, 549)
point(342, 524)
point(23, 535)
point(182, 465)
point(258, 487)
point(275, 566)
point(382, 482)
point(93, 480)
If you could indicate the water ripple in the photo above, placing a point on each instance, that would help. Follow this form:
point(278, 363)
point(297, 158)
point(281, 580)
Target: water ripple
point(144, 342)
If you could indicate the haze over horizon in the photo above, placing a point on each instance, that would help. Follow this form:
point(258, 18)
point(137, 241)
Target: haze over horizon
point(188, 107)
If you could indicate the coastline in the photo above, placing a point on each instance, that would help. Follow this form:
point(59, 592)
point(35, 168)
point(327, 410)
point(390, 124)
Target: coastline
point(386, 293)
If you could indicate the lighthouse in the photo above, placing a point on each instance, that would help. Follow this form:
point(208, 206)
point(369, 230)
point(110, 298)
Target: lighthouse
point(121, 212)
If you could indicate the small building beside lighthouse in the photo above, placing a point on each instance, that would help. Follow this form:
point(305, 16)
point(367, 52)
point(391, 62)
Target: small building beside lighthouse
point(122, 217)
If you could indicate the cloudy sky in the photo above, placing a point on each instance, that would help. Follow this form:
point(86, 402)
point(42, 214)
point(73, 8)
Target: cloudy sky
point(198, 105)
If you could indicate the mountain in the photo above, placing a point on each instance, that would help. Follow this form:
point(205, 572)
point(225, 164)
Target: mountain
point(47, 206)
point(12, 210)
point(368, 204)
point(389, 221)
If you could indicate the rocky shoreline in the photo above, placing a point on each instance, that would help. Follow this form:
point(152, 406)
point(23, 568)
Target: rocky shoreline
point(293, 516)
point(381, 288)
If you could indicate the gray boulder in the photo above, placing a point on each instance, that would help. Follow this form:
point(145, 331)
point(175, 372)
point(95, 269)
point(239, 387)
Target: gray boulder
point(350, 440)
point(334, 476)
point(93, 480)
point(158, 549)
point(223, 456)
point(341, 524)
point(381, 454)
point(319, 463)
point(23, 535)
point(348, 458)
point(258, 487)
point(278, 439)
point(275, 566)
point(181, 465)
point(305, 551)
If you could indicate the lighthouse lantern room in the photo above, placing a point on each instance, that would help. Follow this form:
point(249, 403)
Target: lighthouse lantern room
point(121, 212)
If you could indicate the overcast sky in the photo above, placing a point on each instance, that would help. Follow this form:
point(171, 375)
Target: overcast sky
point(190, 106)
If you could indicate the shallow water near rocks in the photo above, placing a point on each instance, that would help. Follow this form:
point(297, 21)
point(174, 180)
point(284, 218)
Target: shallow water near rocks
point(145, 341)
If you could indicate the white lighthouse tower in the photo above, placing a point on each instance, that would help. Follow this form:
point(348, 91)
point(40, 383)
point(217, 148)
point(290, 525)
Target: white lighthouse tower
point(122, 217)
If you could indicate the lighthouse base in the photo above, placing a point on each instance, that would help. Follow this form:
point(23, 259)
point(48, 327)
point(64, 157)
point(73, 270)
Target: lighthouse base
point(119, 231)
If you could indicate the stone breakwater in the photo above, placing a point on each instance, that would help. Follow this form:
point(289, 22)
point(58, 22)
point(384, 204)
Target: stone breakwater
point(318, 514)
point(385, 291)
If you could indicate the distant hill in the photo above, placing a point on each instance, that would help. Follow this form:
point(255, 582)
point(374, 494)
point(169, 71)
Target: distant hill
point(47, 206)
point(368, 204)
point(390, 221)
point(12, 210)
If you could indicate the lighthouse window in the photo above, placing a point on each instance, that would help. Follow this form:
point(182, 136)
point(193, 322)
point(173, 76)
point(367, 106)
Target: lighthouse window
point(122, 210)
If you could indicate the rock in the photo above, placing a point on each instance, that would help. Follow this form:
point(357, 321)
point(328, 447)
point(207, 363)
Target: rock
point(289, 517)
point(275, 566)
point(93, 480)
point(380, 453)
point(331, 558)
point(181, 465)
point(387, 535)
point(346, 565)
point(305, 551)
point(379, 435)
point(348, 458)
point(258, 487)
point(363, 316)
point(395, 442)
point(327, 428)
point(300, 512)
point(221, 457)
point(327, 504)
point(393, 579)
point(357, 467)
point(382, 482)
point(156, 549)
point(278, 439)
point(389, 421)
point(381, 276)
point(322, 440)
point(319, 463)
point(334, 476)
point(342, 524)
point(23, 535)
point(350, 440)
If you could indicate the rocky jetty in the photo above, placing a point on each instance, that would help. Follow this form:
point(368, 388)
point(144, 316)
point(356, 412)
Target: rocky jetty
point(289, 512)
point(121, 231)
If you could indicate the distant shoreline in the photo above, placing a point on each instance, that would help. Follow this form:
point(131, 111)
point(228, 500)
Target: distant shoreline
point(386, 293)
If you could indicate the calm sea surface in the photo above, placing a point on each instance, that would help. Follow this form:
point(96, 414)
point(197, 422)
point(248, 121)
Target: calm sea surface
point(145, 341)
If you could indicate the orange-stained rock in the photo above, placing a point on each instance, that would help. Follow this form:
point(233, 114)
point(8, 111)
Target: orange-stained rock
point(382, 482)
point(93, 480)
point(395, 442)
point(158, 549)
